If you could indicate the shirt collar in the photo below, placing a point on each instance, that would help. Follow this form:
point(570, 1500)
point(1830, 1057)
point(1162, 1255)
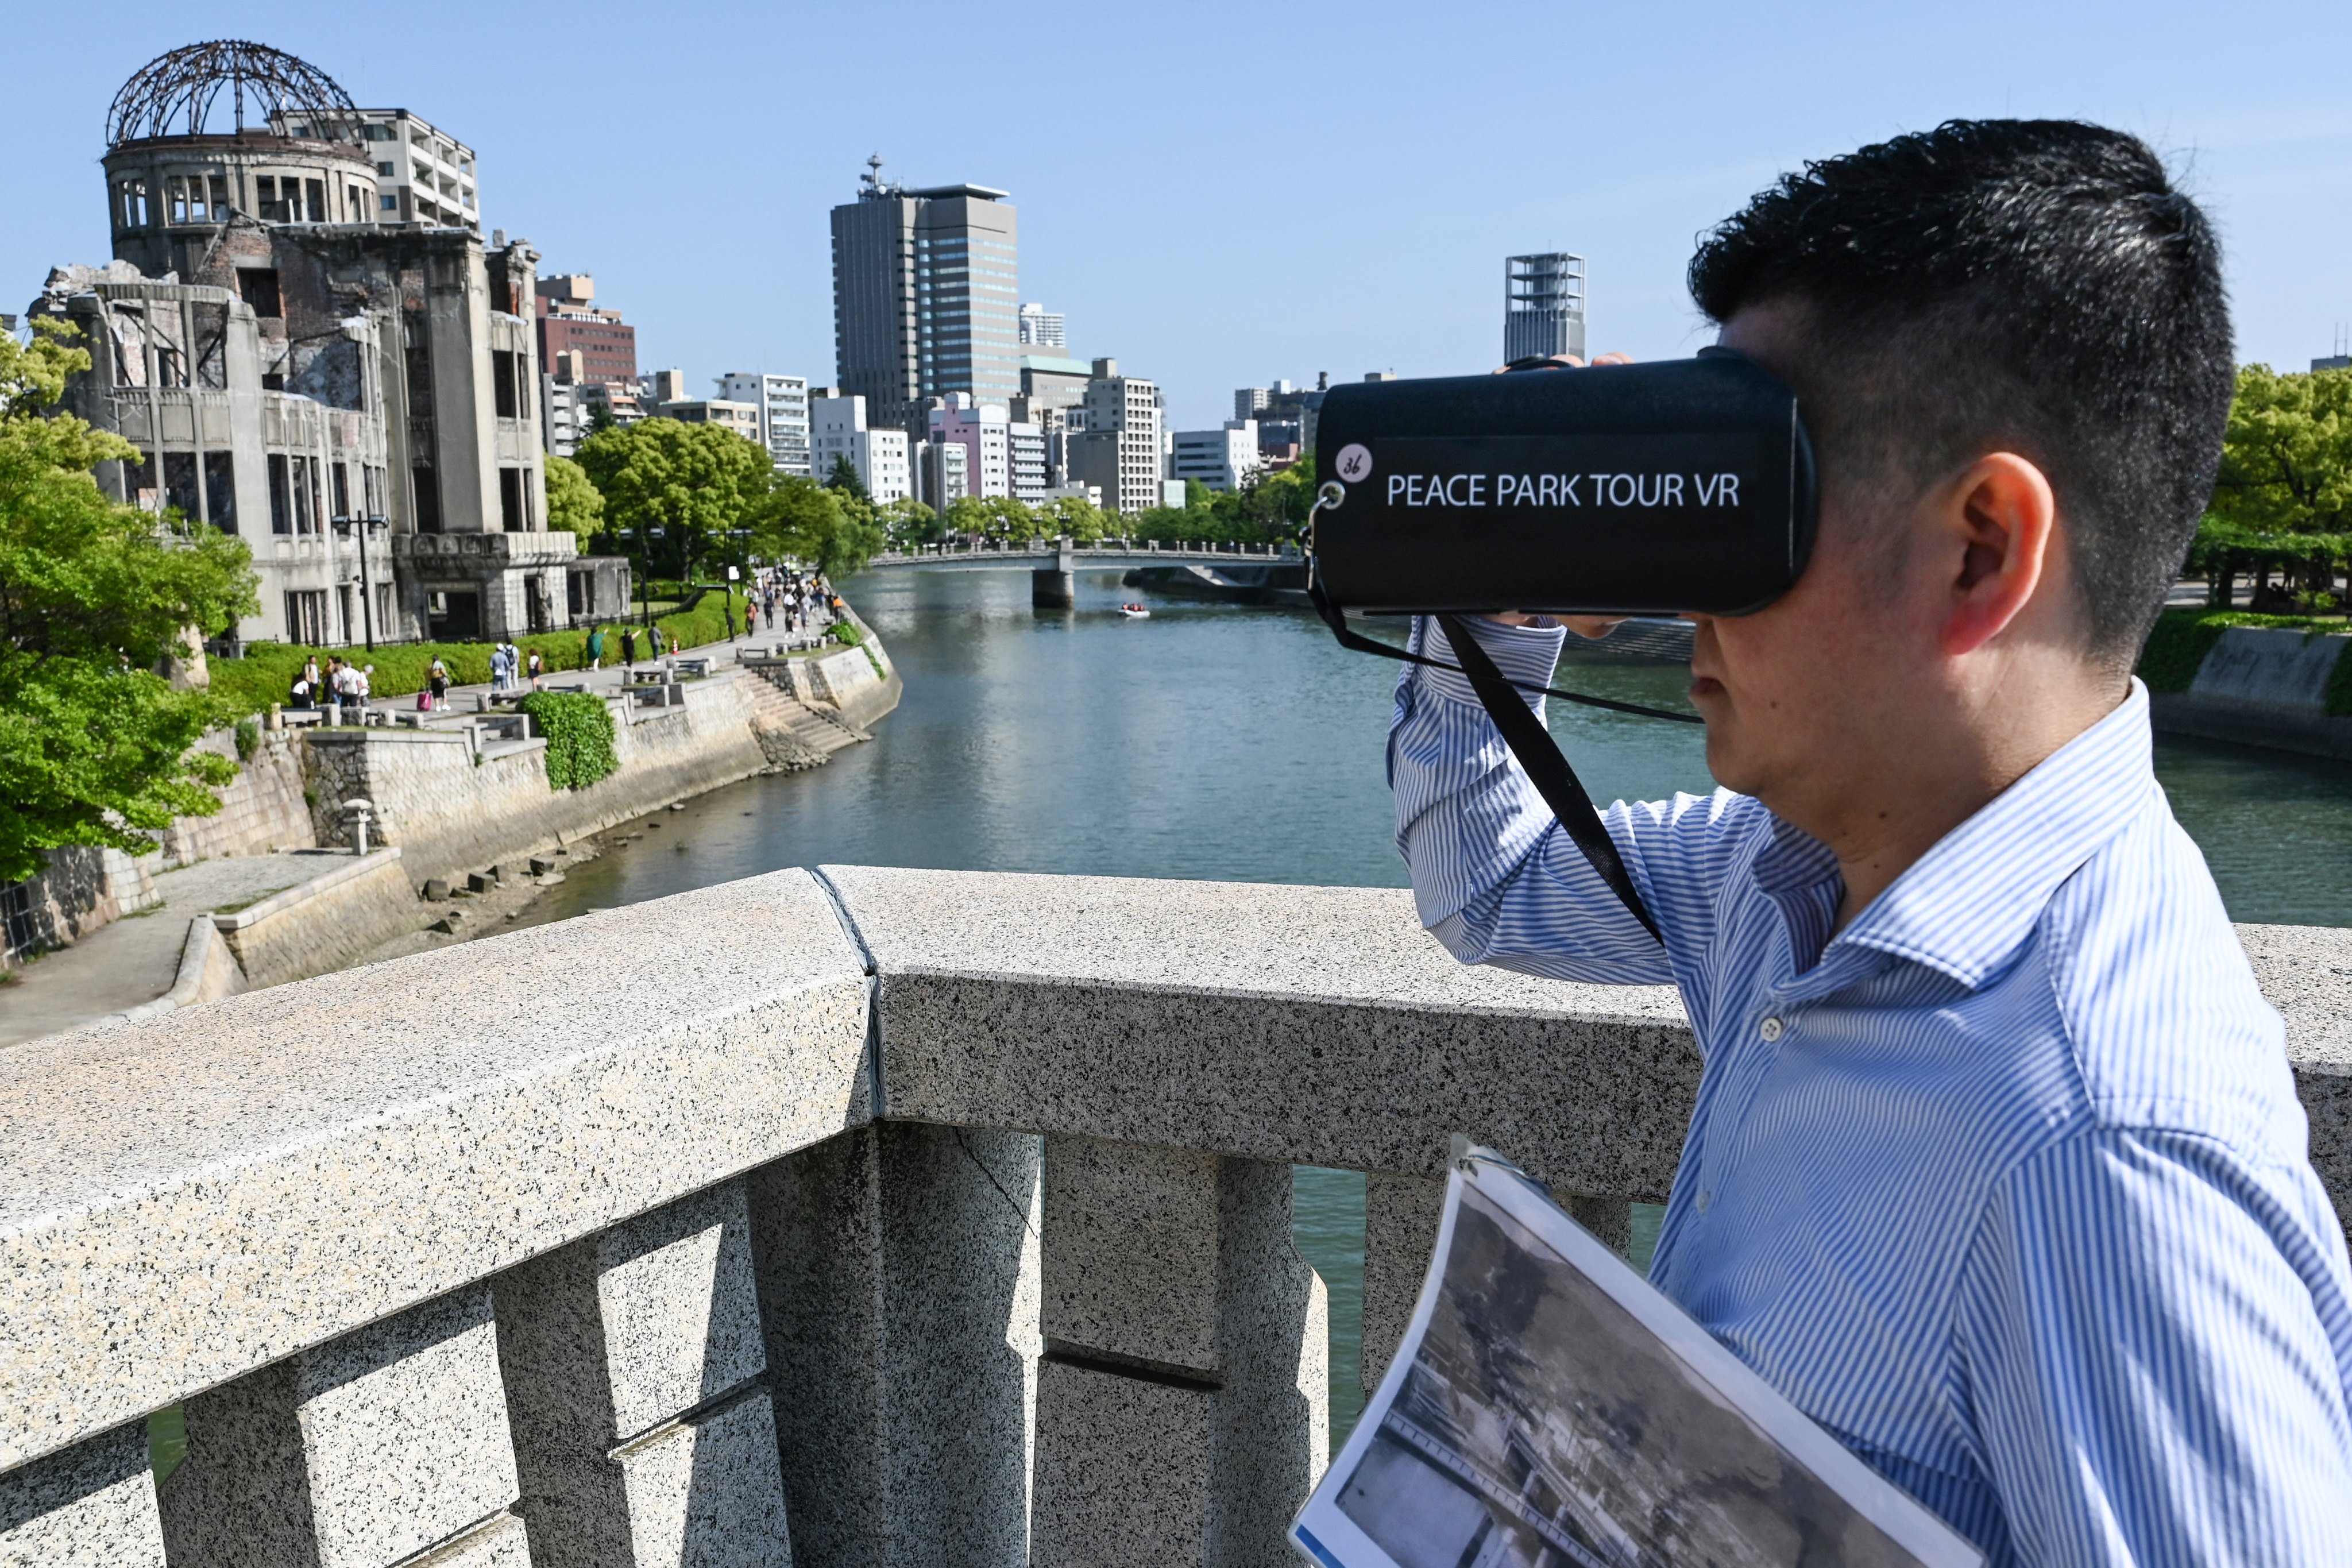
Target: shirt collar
point(1964, 907)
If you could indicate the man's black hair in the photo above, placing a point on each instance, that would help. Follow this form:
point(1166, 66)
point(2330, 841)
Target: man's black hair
point(2030, 285)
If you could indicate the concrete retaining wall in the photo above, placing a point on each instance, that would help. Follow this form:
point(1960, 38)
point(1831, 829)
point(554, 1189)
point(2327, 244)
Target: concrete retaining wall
point(325, 923)
point(451, 814)
point(2263, 686)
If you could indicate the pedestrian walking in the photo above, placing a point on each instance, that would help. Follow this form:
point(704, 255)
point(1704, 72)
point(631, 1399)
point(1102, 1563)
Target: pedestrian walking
point(498, 666)
point(364, 685)
point(436, 683)
point(538, 668)
point(628, 648)
point(654, 639)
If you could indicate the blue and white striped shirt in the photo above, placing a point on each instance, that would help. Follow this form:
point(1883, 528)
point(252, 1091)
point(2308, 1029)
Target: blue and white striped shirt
point(2006, 1185)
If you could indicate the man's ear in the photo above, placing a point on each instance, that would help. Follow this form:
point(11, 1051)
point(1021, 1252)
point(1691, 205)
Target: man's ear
point(1996, 524)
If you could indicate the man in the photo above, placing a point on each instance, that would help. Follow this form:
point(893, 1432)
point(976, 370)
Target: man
point(1997, 1168)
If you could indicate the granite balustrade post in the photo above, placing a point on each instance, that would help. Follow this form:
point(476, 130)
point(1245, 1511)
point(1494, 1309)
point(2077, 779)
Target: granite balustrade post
point(1182, 1408)
point(636, 1376)
point(897, 1270)
point(89, 1506)
point(367, 1451)
point(1399, 1232)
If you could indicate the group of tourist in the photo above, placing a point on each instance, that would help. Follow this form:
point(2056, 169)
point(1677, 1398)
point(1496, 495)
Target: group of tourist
point(342, 688)
point(511, 666)
point(798, 599)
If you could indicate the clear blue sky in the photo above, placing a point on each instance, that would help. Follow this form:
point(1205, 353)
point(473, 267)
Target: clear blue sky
point(1222, 194)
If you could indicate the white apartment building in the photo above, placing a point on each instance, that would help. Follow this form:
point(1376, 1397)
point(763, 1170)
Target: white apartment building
point(1026, 444)
point(422, 175)
point(1041, 328)
point(1119, 449)
point(783, 403)
point(563, 413)
point(1222, 459)
point(838, 430)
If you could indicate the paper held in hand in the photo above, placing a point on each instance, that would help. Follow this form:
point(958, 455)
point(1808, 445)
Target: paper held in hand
point(1549, 1408)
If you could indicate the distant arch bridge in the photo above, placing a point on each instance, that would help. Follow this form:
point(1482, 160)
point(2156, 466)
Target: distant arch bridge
point(1064, 555)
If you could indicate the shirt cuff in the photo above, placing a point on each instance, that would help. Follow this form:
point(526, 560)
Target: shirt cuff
point(1522, 653)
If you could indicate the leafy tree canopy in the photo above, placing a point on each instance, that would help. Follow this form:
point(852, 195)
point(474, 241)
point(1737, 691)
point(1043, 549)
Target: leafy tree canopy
point(94, 597)
point(573, 505)
point(837, 532)
point(2286, 461)
point(692, 482)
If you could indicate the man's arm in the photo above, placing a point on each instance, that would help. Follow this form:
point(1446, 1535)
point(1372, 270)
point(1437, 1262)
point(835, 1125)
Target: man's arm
point(2153, 1337)
point(1495, 877)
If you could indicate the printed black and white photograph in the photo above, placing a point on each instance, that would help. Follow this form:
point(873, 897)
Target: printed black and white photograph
point(1543, 1425)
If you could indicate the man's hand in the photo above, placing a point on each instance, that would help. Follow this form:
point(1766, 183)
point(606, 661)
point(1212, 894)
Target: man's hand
point(1589, 627)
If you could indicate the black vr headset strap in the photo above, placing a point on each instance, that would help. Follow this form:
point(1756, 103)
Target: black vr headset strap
point(1547, 768)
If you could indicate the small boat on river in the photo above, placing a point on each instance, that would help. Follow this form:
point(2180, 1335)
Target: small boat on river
point(1135, 612)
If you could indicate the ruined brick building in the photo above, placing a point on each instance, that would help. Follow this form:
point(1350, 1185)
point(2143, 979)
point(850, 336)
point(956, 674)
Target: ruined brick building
point(353, 393)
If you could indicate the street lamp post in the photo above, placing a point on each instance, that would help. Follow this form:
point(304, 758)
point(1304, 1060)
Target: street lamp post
point(366, 528)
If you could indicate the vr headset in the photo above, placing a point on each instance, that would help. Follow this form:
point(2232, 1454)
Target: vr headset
point(1686, 485)
point(1629, 489)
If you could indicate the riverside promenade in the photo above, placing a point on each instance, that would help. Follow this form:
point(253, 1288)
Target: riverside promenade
point(142, 960)
point(859, 1217)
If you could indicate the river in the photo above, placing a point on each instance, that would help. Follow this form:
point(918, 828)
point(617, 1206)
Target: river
point(1244, 745)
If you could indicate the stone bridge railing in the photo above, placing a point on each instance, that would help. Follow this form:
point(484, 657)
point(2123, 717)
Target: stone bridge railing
point(894, 1219)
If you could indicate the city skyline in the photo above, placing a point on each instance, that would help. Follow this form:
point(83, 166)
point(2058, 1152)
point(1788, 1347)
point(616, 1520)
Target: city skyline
point(1416, 178)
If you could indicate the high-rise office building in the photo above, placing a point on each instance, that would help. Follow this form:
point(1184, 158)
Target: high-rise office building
point(783, 403)
point(1543, 305)
point(926, 285)
point(1041, 328)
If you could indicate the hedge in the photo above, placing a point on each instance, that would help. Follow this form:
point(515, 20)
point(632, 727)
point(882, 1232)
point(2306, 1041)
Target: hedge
point(263, 677)
point(2182, 638)
point(579, 730)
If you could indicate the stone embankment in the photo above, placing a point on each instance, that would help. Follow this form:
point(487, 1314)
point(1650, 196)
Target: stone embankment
point(2263, 686)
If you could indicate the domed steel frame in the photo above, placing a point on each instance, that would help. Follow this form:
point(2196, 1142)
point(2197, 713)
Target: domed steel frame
point(185, 85)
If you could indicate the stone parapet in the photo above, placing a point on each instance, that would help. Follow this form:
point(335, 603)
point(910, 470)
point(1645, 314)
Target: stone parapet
point(587, 1244)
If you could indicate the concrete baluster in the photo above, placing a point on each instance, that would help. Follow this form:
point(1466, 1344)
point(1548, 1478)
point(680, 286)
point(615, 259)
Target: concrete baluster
point(898, 1278)
point(373, 1448)
point(1183, 1408)
point(1399, 1232)
point(635, 1375)
point(89, 1506)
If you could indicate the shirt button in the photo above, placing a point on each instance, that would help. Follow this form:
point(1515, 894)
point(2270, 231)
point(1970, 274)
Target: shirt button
point(1770, 1030)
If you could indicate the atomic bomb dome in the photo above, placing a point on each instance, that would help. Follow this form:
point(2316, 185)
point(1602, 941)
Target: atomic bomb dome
point(179, 93)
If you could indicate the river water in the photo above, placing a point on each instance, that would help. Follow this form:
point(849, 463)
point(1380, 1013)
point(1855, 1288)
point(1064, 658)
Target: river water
point(1243, 744)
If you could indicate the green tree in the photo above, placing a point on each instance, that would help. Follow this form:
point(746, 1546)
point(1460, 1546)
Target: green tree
point(573, 505)
point(2286, 461)
point(693, 481)
point(2282, 500)
point(600, 415)
point(906, 521)
point(967, 515)
point(800, 517)
point(843, 479)
point(95, 597)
